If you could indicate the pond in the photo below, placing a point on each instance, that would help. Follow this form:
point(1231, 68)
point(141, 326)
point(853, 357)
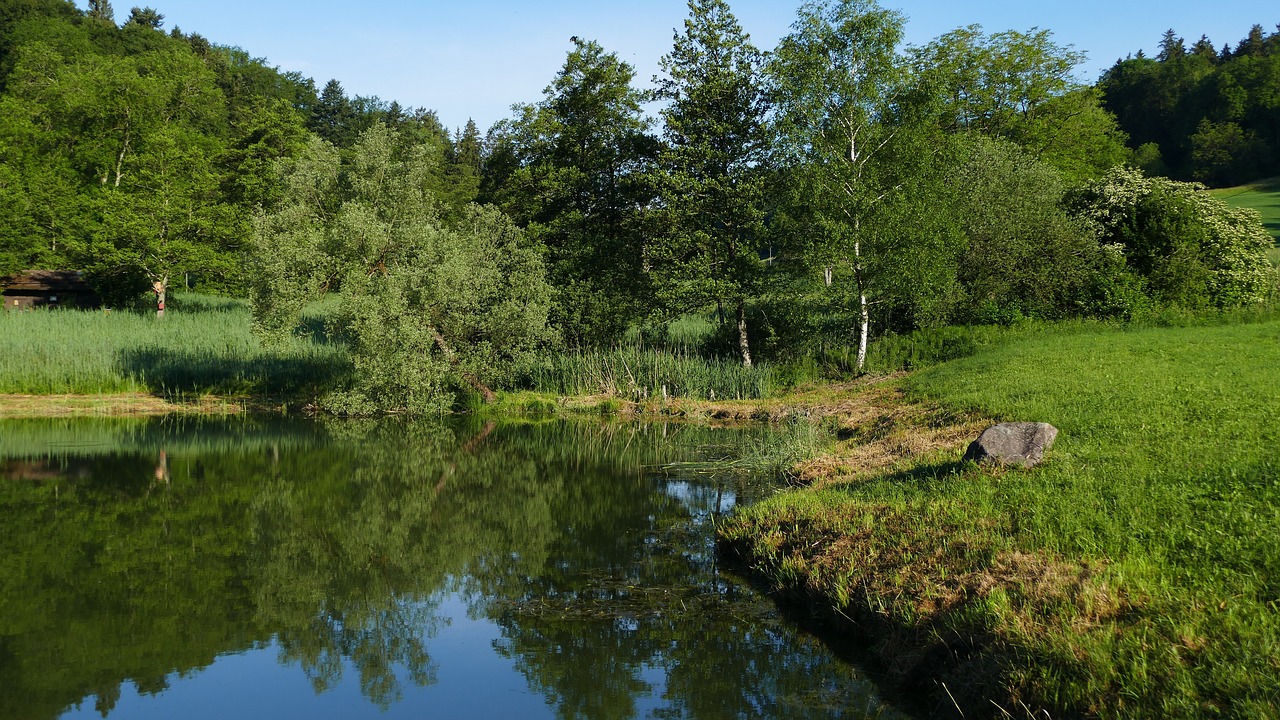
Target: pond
point(157, 568)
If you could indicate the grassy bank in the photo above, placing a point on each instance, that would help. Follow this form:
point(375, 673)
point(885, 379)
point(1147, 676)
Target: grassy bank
point(1134, 575)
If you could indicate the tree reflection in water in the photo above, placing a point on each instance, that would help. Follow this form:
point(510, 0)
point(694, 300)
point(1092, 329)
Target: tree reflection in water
point(337, 542)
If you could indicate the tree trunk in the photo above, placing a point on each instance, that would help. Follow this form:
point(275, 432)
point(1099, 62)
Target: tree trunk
point(742, 334)
point(471, 379)
point(864, 317)
point(161, 288)
point(864, 320)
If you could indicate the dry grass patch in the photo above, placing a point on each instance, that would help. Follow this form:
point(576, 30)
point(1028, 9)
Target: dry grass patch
point(118, 404)
point(881, 431)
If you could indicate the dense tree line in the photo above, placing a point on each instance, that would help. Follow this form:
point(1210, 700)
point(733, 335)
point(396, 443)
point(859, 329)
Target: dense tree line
point(1200, 112)
point(139, 155)
point(833, 189)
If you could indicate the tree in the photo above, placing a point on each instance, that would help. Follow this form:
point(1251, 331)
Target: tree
point(139, 135)
point(576, 187)
point(1172, 47)
point(157, 205)
point(1212, 115)
point(423, 305)
point(709, 175)
point(1020, 87)
point(1023, 255)
point(101, 10)
point(833, 81)
point(1224, 154)
point(263, 132)
point(333, 117)
point(39, 184)
point(145, 17)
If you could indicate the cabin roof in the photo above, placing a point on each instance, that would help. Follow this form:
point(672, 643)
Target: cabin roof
point(45, 281)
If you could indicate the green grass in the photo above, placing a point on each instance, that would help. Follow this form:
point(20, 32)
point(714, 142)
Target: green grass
point(1136, 574)
point(202, 345)
point(1263, 196)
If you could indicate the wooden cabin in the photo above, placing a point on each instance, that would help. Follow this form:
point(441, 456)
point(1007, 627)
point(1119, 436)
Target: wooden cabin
point(48, 289)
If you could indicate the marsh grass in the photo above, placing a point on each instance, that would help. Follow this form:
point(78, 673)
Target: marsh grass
point(202, 345)
point(633, 373)
point(1136, 574)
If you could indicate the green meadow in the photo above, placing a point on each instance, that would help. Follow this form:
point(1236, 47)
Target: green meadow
point(1135, 574)
point(1263, 196)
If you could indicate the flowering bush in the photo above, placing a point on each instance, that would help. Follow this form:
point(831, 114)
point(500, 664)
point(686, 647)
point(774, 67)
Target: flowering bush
point(1189, 248)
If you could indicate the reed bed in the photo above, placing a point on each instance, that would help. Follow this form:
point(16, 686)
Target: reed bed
point(642, 374)
point(205, 348)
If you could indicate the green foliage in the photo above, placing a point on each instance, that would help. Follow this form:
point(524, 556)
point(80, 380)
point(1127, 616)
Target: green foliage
point(423, 304)
point(833, 81)
point(1020, 87)
point(1024, 256)
point(708, 176)
point(1222, 153)
point(132, 154)
point(576, 188)
point(1189, 248)
point(1212, 116)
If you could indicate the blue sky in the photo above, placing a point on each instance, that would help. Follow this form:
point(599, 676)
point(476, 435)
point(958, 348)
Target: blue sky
point(475, 58)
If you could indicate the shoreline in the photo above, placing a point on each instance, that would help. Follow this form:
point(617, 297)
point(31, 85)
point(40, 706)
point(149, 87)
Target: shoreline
point(18, 406)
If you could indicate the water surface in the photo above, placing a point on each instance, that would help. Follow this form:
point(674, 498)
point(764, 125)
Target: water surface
point(252, 568)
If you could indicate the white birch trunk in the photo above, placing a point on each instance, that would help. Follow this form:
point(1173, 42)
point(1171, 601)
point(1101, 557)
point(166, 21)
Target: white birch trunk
point(864, 317)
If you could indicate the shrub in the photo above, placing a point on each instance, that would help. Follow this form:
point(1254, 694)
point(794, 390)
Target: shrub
point(1189, 248)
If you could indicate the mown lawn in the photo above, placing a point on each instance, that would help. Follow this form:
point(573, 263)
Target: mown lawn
point(1136, 574)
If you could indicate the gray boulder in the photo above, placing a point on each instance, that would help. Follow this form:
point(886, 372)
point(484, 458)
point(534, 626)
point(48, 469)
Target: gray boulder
point(1020, 443)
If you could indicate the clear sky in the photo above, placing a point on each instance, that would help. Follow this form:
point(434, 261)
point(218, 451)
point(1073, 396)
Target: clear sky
point(475, 58)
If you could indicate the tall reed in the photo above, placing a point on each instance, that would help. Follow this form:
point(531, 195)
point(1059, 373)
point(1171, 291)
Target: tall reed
point(630, 372)
point(206, 347)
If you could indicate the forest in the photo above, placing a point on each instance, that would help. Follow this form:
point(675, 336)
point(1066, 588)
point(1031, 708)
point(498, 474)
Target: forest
point(804, 201)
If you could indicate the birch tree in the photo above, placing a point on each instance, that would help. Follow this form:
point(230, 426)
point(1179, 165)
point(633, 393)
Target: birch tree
point(832, 82)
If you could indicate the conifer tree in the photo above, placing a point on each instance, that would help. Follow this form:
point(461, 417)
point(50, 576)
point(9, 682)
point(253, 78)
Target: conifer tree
point(709, 175)
point(101, 10)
